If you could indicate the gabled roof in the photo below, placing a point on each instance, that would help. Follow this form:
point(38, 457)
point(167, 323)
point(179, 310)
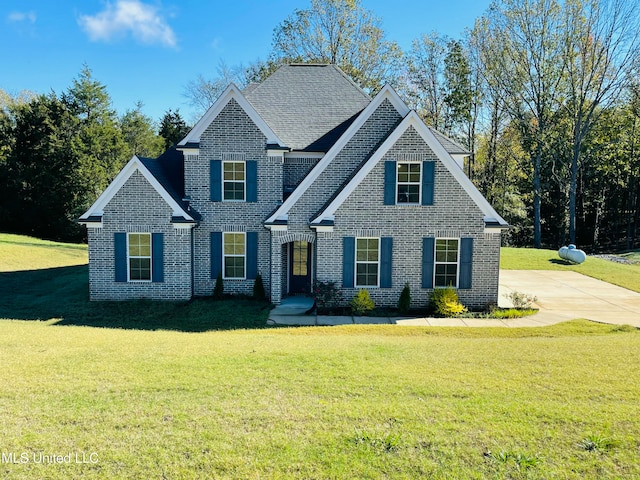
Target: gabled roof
point(412, 120)
point(309, 106)
point(232, 92)
point(387, 93)
point(164, 176)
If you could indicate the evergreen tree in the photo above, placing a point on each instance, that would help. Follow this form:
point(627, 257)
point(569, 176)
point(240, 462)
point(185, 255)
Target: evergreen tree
point(139, 134)
point(172, 128)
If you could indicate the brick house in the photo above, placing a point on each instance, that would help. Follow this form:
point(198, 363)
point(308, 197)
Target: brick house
point(302, 177)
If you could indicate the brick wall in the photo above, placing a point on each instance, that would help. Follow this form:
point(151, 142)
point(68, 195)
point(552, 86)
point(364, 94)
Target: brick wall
point(137, 207)
point(454, 214)
point(233, 136)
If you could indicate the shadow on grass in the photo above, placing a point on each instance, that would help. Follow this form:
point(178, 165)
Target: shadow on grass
point(63, 293)
point(560, 261)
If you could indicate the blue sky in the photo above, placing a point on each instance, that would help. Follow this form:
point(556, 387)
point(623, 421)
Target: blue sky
point(149, 50)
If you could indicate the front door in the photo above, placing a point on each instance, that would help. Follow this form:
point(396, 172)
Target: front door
point(299, 267)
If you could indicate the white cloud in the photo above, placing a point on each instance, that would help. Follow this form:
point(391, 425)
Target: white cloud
point(141, 21)
point(29, 17)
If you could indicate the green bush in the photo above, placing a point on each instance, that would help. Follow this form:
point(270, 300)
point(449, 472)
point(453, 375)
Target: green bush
point(218, 290)
point(258, 289)
point(444, 301)
point(404, 302)
point(326, 294)
point(362, 303)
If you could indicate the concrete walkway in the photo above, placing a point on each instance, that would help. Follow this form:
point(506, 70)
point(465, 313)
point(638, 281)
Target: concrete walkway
point(561, 296)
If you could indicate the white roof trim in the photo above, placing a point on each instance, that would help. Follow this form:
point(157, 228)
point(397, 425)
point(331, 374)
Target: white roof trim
point(387, 93)
point(97, 209)
point(412, 119)
point(232, 92)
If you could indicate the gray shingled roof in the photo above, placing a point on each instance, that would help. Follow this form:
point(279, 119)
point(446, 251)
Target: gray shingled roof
point(168, 169)
point(309, 106)
point(451, 146)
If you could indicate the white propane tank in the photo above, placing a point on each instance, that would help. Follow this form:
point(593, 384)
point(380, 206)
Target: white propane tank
point(572, 254)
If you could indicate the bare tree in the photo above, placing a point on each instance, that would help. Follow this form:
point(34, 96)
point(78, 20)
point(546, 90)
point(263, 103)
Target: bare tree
point(202, 92)
point(601, 57)
point(426, 76)
point(524, 58)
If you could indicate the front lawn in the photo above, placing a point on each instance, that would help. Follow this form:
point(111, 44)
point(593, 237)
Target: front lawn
point(340, 402)
point(627, 276)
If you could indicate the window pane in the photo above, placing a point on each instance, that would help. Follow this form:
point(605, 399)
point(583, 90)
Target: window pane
point(367, 274)
point(234, 267)
point(233, 190)
point(234, 243)
point(140, 268)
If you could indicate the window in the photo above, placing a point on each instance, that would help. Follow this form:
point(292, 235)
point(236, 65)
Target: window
point(139, 256)
point(408, 183)
point(446, 262)
point(233, 180)
point(367, 262)
point(234, 255)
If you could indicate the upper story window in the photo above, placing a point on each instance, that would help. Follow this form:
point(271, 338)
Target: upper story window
point(408, 183)
point(234, 180)
point(367, 262)
point(446, 262)
point(234, 255)
point(139, 256)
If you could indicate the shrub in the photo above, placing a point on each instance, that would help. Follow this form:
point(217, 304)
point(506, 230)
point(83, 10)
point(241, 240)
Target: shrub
point(258, 289)
point(326, 294)
point(218, 290)
point(445, 302)
point(521, 300)
point(362, 303)
point(404, 302)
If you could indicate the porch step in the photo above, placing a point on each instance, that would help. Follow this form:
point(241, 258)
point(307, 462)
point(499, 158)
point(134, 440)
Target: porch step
point(294, 306)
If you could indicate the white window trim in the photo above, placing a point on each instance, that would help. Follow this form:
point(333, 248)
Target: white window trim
point(419, 183)
point(244, 182)
point(355, 270)
point(224, 275)
point(150, 257)
point(435, 263)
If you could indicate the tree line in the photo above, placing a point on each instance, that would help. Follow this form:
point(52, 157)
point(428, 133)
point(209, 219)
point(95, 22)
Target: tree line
point(543, 93)
point(59, 152)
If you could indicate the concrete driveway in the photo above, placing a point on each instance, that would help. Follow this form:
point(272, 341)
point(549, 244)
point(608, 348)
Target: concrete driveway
point(569, 295)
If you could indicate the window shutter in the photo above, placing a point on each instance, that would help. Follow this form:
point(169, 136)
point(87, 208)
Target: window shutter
point(390, 182)
point(252, 180)
point(466, 262)
point(348, 261)
point(428, 182)
point(252, 255)
point(428, 246)
point(157, 257)
point(215, 178)
point(216, 254)
point(386, 263)
point(120, 251)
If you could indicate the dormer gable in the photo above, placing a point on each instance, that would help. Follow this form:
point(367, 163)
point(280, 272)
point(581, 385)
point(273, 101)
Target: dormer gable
point(324, 219)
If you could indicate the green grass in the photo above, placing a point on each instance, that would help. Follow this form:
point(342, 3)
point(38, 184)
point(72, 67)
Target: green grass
point(18, 252)
point(627, 276)
point(342, 402)
point(357, 401)
point(59, 290)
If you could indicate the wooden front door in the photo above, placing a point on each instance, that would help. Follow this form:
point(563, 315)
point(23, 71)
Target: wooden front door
point(299, 267)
